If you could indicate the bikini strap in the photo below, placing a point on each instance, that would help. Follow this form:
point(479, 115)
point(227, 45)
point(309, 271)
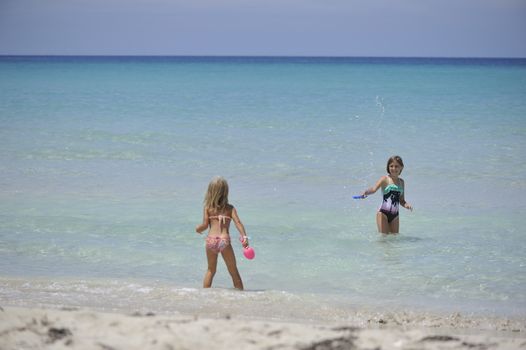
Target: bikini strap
point(222, 218)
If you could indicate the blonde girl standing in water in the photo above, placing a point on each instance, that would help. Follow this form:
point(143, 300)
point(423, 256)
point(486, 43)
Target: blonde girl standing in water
point(217, 215)
point(392, 186)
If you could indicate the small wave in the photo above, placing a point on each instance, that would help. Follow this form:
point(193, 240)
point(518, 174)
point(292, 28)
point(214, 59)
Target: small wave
point(145, 296)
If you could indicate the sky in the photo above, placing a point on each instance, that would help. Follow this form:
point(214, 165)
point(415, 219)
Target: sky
point(392, 28)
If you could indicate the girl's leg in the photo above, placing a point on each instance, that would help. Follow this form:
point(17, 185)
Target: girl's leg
point(381, 222)
point(394, 225)
point(211, 271)
point(230, 261)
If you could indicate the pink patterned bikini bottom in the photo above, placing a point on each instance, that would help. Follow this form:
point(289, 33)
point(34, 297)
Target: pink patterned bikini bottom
point(217, 244)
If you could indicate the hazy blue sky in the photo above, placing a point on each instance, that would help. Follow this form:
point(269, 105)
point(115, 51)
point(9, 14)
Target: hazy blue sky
point(487, 28)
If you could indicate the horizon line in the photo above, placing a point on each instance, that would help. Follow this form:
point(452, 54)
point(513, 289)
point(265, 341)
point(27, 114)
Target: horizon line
point(260, 56)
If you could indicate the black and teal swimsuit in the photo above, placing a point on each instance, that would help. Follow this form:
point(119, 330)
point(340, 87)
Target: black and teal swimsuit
point(391, 201)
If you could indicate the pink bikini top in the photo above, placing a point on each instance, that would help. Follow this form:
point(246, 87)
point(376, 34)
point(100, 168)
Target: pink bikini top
point(222, 218)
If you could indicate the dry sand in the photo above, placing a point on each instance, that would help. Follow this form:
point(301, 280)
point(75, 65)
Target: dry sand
point(34, 328)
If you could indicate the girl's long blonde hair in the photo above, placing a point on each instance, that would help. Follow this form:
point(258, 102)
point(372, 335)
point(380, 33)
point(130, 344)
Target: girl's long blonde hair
point(217, 194)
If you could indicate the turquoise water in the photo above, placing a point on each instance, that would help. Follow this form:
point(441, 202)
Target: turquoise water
point(104, 163)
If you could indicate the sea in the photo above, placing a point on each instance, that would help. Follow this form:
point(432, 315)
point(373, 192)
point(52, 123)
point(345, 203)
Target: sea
point(104, 164)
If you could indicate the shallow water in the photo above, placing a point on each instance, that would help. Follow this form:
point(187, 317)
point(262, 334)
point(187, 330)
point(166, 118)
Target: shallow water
point(104, 163)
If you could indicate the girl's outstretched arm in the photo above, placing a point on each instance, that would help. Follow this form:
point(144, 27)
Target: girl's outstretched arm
point(204, 225)
point(240, 227)
point(375, 188)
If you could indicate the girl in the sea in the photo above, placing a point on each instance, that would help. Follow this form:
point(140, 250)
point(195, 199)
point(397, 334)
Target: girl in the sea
point(217, 215)
point(393, 195)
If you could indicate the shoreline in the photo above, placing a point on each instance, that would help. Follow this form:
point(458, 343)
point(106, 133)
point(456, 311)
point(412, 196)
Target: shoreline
point(166, 299)
point(84, 328)
point(120, 296)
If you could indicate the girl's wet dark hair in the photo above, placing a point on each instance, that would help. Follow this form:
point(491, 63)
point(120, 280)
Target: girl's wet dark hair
point(397, 159)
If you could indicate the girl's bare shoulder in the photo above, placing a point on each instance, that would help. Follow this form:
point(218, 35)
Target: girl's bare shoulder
point(384, 179)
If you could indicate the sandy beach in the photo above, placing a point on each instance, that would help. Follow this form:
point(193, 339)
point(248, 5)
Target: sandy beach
point(78, 328)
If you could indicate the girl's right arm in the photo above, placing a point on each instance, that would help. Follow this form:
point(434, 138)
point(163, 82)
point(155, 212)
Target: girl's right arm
point(204, 225)
point(375, 188)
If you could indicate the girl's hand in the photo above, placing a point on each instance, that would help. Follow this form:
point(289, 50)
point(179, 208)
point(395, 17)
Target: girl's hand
point(408, 206)
point(197, 229)
point(244, 241)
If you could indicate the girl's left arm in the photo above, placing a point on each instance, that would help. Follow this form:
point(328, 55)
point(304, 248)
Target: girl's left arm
point(403, 203)
point(204, 225)
point(240, 227)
